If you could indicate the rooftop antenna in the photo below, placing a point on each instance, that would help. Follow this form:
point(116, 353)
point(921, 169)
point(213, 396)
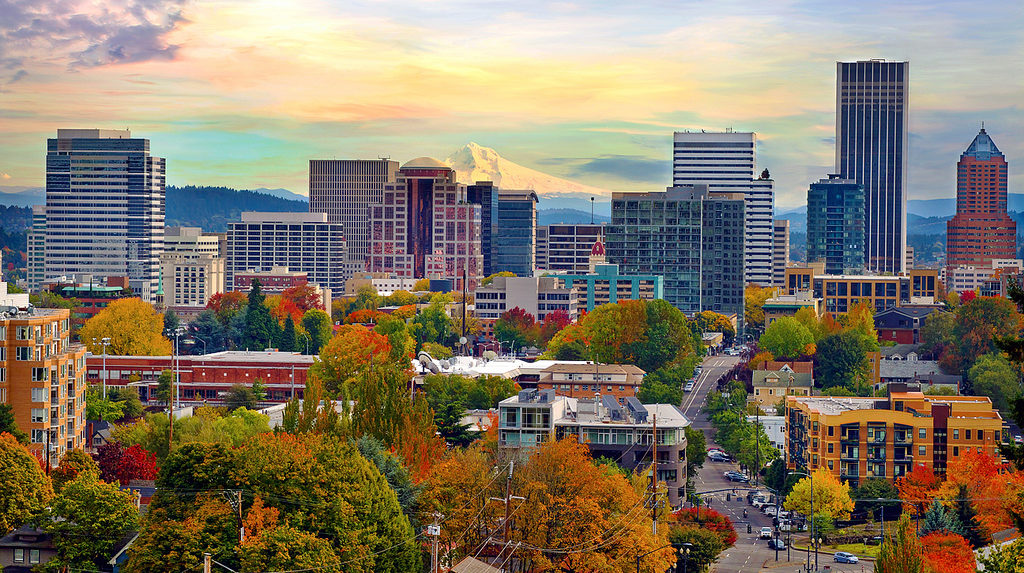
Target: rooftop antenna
point(592, 210)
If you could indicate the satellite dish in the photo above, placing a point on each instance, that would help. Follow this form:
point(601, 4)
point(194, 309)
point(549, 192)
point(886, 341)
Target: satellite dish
point(463, 340)
point(445, 365)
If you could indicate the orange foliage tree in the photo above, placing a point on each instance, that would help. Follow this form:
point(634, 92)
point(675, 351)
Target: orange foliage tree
point(364, 316)
point(917, 489)
point(227, 304)
point(304, 297)
point(947, 553)
point(281, 308)
point(346, 354)
point(987, 488)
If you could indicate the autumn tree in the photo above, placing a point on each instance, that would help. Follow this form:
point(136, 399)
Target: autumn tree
point(917, 489)
point(225, 305)
point(133, 327)
point(786, 338)
point(553, 322)
point(754, 298)
point(86, 519)
point(711, 321)
point(947, 553)
point(831, 497)
point(974, 480)
point(305, 297)
point(351, 350)
point(24, 488)
point(317, 326)
point(707, 518)
point(72, 463)
point(901, 550)
point(1007, 558)
point(120, 464)
point(9, 426)
point(992, 375)
point(979, 324)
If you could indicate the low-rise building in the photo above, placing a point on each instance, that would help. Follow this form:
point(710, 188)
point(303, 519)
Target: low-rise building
point(772, 386)
point(774, 428)
point(840, 293)
point(898, 369)
point(623, 433)
point(861, 438)
point(384, 283)
point(537, 296)
point(902, 324)
point(590, 380)
point(606, 285)
point(962, 278)
point(788, 305)
point(272, 281)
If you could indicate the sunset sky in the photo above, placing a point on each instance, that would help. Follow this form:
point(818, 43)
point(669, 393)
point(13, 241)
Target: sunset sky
point(243, 93)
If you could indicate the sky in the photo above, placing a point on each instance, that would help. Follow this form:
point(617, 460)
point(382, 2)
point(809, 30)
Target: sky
point(243, 93)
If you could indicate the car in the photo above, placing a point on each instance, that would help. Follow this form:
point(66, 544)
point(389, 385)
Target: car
point(1018, 439)
point(718, 457)
point(766, 533)
point(777, 544)
point(736, 476)
point(844, 557)
point(688, 387)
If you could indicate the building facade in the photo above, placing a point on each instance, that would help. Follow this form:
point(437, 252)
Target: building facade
point(780, 251)
point(42, 377)
point(609, 429)
point(485, 194)
point(981, 230)
point(514, 247)
point(863, 438)
point(303, 242)
point(840, 293)
point(835, 225)
point(191, 268)
point(690, 236)
point(425, 227)
point(902, 324)
point(344, 189)
point(538, 296)
point(567, 248)
point(104, 207)
point(35, 271)
point(726, 162)
point(591, 380)
point(872, 98)
point(606, 285)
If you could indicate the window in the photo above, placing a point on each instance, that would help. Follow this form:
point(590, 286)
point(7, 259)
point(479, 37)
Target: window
point(40, 395)
point(956, 451)
point(24, 353)
point(33, 556)
point(921, 450)
point(38, 436)
point(956, 433)
point(922, 433)
point(38, 375)
point(39, 415)
point(19, 555)
point(830, 447)
point(967, 434)
point(24, 333)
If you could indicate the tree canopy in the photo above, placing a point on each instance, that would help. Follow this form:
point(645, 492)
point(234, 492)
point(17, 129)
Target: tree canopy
point(133, 327)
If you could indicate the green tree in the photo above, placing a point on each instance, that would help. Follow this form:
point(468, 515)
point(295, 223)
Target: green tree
point(260, 327)
point(870, 490)
point(24, 488)
point(317, 325)
point(71, 464)
point(979, 325)
point(8, 425)
point(99, 408)
point(285, 548)
point(128, 398)
point(974, 531)
point(938, 518)
point(165, 386)
point(696, 452)
point(705, 546)
point(240, 396)
point(87, 519)
point(396, 474)
point(171, 321)
point(786, 337)
point(842, 361)
point(992, 375)
point(490, 278)
point(901, 550)
point(289, 342)
point(655, 390)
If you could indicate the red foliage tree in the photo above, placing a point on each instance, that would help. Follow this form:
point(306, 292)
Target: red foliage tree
point(917, 489)
point(304, 297)
point(226, 304)
point(122, 465)
point(947, 553)
point(553, 322)
point(709, 519)
point(967, 296)
point(363, 316)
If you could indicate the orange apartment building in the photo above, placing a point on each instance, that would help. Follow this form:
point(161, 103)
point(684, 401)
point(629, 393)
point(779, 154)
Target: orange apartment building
point(42, 376)
point(859, 438)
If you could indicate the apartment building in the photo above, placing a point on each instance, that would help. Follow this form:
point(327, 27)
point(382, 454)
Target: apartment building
point(780, 250)
point(861, 438)
point(191, 269)
point(591, 380)
point(42, 376)
point(607, 285)
point(842, 292)
point(303, 242)
point(609, 429)
point(537, 296)
point(567, 248)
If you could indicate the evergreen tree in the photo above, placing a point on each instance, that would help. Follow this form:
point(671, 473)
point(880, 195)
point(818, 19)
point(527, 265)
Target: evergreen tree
point(7, 424)
point(171, 322)
point(938, 518)
point(968, 518)
point(259, 330)
point(288, 341)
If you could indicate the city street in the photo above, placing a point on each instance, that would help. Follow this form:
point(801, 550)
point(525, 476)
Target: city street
point(750, 554)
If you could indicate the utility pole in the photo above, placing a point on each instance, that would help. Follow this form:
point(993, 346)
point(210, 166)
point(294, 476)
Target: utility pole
point(434, 530)
point(654, 475)
point(207, 558)
point(241, 524)
point(507, 500)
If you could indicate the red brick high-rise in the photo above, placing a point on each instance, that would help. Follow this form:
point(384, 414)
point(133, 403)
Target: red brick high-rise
point(981, 230)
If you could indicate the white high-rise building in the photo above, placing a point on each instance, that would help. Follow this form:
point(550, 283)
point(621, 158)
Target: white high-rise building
point(192, 268)
point(726, 162)
point(344, 189)
point(780, 260)
point(104, 207)
point(303, 242)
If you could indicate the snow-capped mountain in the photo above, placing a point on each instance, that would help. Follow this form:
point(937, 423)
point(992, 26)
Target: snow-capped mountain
point(474, 162)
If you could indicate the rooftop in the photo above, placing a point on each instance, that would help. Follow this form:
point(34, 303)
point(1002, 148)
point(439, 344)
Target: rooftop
point(983, 148)
point(266, 356)
point(600, 368)
point(425, 163)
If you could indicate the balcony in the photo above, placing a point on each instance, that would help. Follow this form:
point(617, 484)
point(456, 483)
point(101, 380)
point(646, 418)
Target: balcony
point(903, 440)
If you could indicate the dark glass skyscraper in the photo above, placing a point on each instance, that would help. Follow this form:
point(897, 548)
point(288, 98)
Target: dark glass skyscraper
point(871, 149)
point(515, 233)
point(485, 194)
point(835, 225)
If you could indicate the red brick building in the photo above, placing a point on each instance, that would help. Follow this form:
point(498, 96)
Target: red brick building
point(207, 377)
point(981, 230)
point(274, 281)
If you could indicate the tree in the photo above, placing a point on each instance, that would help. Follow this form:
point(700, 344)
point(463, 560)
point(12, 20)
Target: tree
point(947, 553)
point(71, 464)
point(119, 464)
point(490, 278)
point(1008, 558)
point(305, 297)
point(937, 332)
point(133, 327)
point(786, 338)
point(901, 550)
point(87, 519)
point(554, 322)
point(841, 361)
point(707, 518)
point(289, 342)
point(225, 305)
point(399, 478)
point(974, 531)
point(432, 324)
point(421, 285)
point(210, 331)
point(165, 387)
point(917, 489)
point(9, 426)
point(870, 490)
point(317, 325)
point(754, 298)
point(400, 298)
point(128, 398)
point(240, 396)
point(24, 488)
point(979, 324)
point(99, 408)
point(992, 375)
point(664, 386)
point(696, 451)
point(831, 497)
point(705, 546)
point(940, 519)
point(347, 354)
point(711, 321)
point(285, 548)
point(171, 322)
point(261, 330)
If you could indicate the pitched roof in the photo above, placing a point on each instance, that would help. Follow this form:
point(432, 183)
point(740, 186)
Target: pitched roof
point(781, 378)
point(470, 565)
point(982, 147)
point(908, 311)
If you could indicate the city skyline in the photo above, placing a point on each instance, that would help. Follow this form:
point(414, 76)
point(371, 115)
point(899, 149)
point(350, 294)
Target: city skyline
point(282, 84)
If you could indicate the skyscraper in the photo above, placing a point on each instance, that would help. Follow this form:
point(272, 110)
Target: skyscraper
point(424, 226)
point(871, 149)
point(303, 242)
point(344, 189)
point(981, 230)
point(780, 251)
point(104, 207)
point(725, 162)
point(35, 272)
point(515, 233)
point(689, 235)
point(835, 225)
point(485, 194)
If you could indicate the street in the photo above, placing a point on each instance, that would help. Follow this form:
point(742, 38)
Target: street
point(750, 554)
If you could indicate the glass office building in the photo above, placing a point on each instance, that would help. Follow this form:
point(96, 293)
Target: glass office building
point(835, 225)
point(513, 246)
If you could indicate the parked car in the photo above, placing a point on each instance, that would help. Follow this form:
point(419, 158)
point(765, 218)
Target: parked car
point(688, 387)
point(844, 557)
point(766, 533)
point(736, 476)
point(718, 457)
point(777, 544)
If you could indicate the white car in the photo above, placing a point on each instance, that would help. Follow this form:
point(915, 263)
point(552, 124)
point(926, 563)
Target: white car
point(766, 533)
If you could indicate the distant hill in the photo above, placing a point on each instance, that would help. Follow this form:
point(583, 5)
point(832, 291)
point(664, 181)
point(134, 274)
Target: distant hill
point(22, 196)
point(282, 194)
point(567, 217)
point(212, 208)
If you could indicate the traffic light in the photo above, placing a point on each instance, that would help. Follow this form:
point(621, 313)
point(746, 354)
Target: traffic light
point(749, 530)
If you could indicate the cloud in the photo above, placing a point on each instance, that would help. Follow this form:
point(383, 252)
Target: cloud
point(5, 176)
point(85, 35)
point(629, 167)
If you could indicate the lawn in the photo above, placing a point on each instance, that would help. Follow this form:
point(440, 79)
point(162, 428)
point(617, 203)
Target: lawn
point(858, 549)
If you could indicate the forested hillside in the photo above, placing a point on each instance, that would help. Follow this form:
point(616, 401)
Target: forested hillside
point(212, 208)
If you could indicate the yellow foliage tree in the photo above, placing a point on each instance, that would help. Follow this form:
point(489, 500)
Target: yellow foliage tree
point(133, 327)
point(831, 497)
point(754, 298)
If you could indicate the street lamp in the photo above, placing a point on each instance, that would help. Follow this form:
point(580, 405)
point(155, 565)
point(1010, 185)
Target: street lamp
point(685, 552)
point(105, 341)
point(306, 336)
point(812, 522)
